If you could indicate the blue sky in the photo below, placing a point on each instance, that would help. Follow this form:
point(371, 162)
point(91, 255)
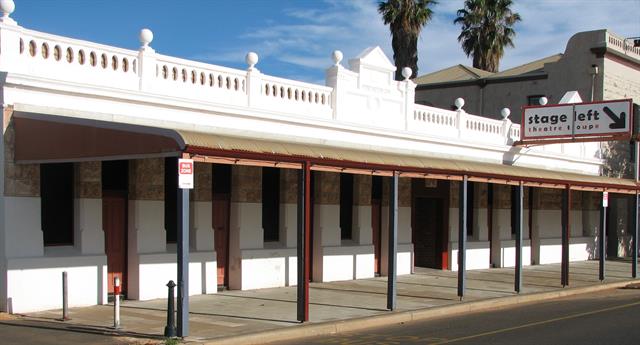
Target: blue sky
point(295, 38)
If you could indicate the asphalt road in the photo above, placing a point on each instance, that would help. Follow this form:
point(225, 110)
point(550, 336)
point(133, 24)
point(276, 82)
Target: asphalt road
point(608, 317)
point(22, 332)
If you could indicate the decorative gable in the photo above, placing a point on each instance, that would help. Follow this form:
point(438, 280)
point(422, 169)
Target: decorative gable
point(374, 68)
point(372, 57)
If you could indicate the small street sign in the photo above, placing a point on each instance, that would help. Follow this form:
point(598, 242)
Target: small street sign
point(185, 173)
point(605, 199)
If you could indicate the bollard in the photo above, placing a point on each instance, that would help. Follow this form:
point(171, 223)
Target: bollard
point(65, 301)
point(170, 329)
point(116, 302)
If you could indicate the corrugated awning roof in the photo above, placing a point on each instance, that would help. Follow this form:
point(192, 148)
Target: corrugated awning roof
point(201, 143)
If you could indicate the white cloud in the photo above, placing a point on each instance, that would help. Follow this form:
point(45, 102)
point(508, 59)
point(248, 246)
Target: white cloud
point(306, 36)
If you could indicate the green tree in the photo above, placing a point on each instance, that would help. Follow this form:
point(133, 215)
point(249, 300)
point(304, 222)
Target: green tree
point(487, 27)
point(406, 18)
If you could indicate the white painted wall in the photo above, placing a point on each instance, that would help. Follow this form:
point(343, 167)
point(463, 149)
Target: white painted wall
point(201, 237)
point(86, 276)
point(480, 225)
point(326, 233)
point(245, 232)
point(155, 271)
point(3, 241)
point(477, 255)
point(404, 258)
point(362, 230)
point(335, 259)
point(273, 266)
point(3, 255)
point(23, 232)
point(580, 249)
point(152, 262)
point(88, 232)
point(504, 240)
point(146, 227)
point(29, 264)
point(507, 255)
point(289, 225)
point(266, 268)
point(347, 262)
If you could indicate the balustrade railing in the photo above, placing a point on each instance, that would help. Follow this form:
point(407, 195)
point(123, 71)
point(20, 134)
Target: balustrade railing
point(622, 45)
point(63, 58)
point(69, 60)
point(458, 124)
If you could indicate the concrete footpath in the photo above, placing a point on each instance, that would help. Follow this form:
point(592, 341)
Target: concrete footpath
point(269, 315)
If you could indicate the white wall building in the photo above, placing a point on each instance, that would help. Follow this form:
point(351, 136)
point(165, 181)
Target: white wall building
point(91, 133)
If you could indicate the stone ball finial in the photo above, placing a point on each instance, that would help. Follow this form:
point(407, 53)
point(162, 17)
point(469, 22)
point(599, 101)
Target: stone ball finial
point(406, 73)
point(7, 7)
point(146, 36)
point(459, 102)
point(336, 56)
point(505, 112)
point(251, 59)
point(543, 100)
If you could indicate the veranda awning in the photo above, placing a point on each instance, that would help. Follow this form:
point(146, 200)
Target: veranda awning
point(48, 135)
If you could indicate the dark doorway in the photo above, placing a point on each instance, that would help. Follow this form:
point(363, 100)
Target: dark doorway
point(220, 213)
point(114, 220)
point(428, 233)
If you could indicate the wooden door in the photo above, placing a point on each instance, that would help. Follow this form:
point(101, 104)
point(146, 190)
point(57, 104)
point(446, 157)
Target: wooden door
point(376, 212)
point(114, 223)
point(221, 236)
point(428, 233)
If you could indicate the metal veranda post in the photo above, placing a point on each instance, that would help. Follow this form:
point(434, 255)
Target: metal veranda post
point(462, 236)
point(393, 247)
point(634, 233)
point(602, 233)
point(566, 216)
point(183, 262)
point(519, 191)
point(634, 239)
point(303, 273)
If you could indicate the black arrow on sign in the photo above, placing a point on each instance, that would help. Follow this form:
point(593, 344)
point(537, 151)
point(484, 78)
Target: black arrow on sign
point(618, 122)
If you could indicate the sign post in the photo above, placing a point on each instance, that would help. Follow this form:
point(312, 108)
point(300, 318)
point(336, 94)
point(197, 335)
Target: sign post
point(185, 182)
point(602, 234)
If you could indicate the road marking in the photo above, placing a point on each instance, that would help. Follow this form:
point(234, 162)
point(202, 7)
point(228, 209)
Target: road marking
point(537, 323)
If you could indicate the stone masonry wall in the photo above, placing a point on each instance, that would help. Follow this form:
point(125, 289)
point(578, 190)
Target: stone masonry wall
point(404, 191)
point(203, 174)
point(361, 190)
point(19, 179)
point(146, 179)
point(246, 184)
point(289, 186)
point(327, 188)
point(88, 180)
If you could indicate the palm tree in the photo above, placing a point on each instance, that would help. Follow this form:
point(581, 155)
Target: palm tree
point(487, 27)
point(406, 19)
